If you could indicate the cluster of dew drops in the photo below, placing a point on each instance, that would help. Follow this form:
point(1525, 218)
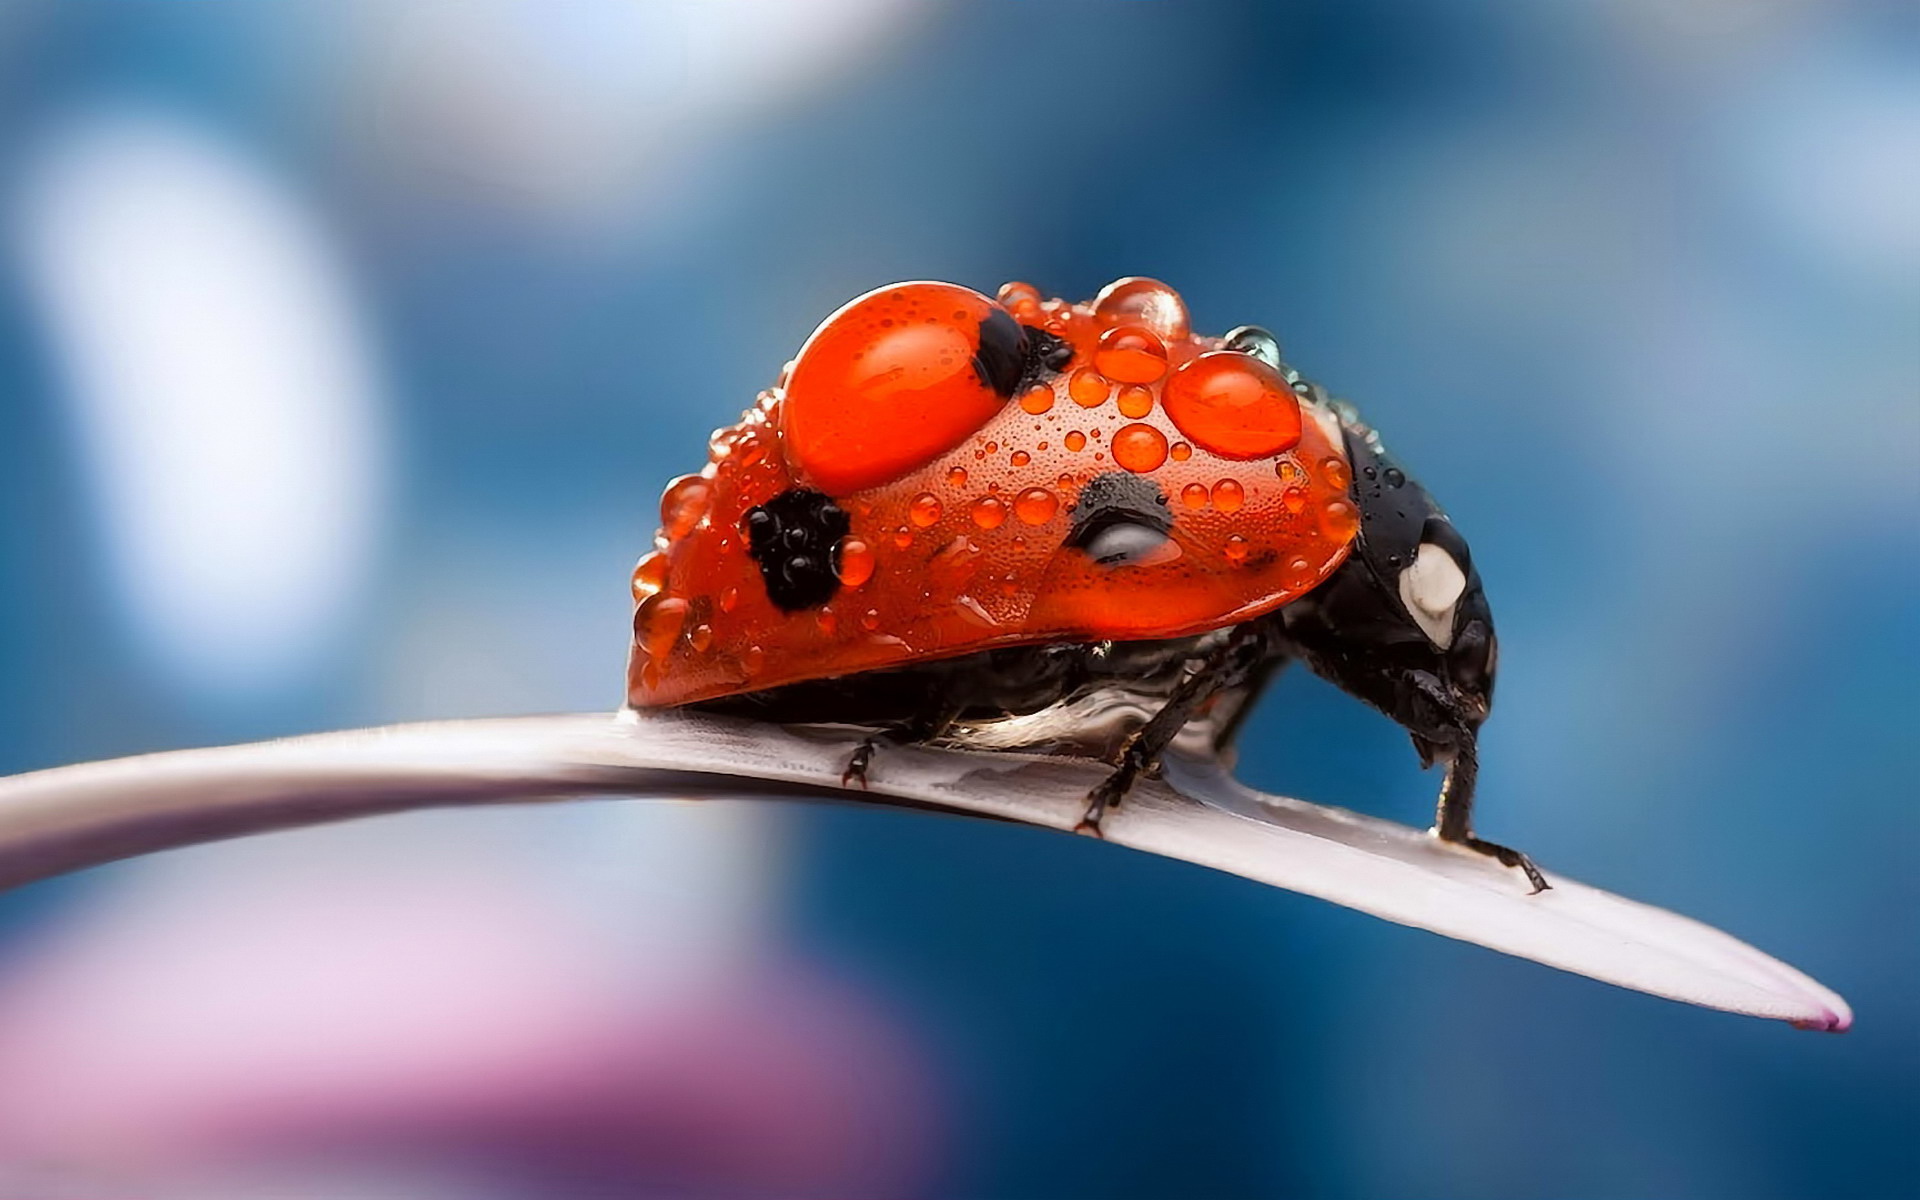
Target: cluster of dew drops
point(1140, 317)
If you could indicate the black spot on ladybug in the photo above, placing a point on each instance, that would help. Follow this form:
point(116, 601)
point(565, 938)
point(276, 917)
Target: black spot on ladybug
point(1047, 356)
point(1002, 357)
point(1013, 357)
point(794, 539)
point(1118, 518)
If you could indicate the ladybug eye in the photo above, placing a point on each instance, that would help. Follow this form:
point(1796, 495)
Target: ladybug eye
point(1251, 339)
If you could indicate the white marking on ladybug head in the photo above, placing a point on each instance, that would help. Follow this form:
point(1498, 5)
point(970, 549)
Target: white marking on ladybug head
point(1431, 588)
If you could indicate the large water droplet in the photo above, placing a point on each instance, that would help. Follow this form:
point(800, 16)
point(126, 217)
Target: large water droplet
point(1234, 405)
point(1139, 448)
point(656, 626)
point(1036, 506)
point(856, 562)
point(649, 575)
point(683, 504)
point(1130, 354)
point(1143, 301)
point(925, 510)
point(988, 512)
point(1087, 388)
point(1339, 521)
point(1135, 401)
point(1229, 496)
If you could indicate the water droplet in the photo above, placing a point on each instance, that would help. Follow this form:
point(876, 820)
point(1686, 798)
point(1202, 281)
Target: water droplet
point(753, 660)
point(856, 562)
point(1076, 441)
point(903, 537)
point(1087, 388)
point(993, 447)
point(1036, 506)
point(1037, 400)
point(656, 626)
point(1139, 448)
point(1195, 495)
point(1394, 477)
point(1020, 458)
point(1043, 447)
point(1229, 496)
point(988, 512)
point(957, 477)
point(1020, 299)
point(700, 638)
point(1130, 354)
point(1234, 405)
point(1181, 452)
point(1294, 499)
point(1339, 521)
point(649, 575)
point(924, 511)
point(729, 599)
point(1338, 473)
point(1299, 573)
point(1135, 401)
point(1237, 549)
point(1143, 301)
point(870, 620)
point(683, 504)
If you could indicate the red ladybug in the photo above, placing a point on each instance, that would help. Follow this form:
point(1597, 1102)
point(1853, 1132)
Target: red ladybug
point(1083, 528)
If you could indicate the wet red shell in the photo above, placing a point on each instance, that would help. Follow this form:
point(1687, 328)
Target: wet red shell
point(960, 499)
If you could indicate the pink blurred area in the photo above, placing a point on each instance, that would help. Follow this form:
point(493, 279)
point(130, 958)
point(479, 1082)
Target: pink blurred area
point(441, 1026)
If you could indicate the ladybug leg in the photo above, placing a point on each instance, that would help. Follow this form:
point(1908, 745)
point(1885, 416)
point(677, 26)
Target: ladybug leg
point(1452, 820)
point(1240, 656)
point(923, 728)
point(858, 763)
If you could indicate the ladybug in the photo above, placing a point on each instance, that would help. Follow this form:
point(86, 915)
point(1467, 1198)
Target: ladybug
point(1024, 523)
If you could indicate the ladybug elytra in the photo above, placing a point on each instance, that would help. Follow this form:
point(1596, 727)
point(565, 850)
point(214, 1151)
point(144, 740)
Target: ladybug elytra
point(1081, 528)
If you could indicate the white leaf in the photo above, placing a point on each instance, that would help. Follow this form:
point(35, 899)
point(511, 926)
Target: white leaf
point(73, 817)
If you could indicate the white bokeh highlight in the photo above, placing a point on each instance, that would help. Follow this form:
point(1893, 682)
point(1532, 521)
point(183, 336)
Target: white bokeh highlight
point(225, 411)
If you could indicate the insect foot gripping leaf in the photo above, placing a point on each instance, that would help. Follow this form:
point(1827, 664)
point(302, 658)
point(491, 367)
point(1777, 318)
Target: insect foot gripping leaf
point(72, 817)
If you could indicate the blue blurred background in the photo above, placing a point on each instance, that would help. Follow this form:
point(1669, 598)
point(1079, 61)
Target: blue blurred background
point(346, 346)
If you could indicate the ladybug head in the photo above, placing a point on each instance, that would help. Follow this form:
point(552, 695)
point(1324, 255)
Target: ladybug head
point(1403, 624)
